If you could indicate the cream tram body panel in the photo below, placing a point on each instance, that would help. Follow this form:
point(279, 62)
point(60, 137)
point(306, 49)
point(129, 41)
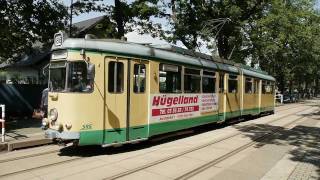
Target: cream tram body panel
point(267, 102)
point(84, 111)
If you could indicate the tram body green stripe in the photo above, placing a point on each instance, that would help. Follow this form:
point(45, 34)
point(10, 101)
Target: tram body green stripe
point(91, 137)
point(109, 136)
point(165, 127)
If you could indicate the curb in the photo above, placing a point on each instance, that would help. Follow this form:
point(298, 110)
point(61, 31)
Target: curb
point(10, 146)
point(3, 146)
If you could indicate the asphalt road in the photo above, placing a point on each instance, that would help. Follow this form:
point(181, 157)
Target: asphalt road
point(280, 146)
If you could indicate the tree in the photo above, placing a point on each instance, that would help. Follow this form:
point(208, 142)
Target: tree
point(284, 42)
point(124, 16)
point(282, 37)
point(25, 23)
point(224, 22)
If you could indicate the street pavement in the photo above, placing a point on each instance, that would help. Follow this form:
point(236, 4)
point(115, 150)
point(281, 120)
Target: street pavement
point(22, 133)
point(20, 129)
point(280, 146)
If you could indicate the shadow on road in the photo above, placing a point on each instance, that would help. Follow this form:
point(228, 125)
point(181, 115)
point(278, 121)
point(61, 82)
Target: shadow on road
point(305, 138)
point(88, 151)
point(20, 128)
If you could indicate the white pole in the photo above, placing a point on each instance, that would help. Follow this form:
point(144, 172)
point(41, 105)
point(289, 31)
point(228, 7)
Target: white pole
point(2, 123)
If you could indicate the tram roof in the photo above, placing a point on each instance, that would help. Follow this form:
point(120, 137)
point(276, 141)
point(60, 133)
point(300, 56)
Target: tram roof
point(125, 48)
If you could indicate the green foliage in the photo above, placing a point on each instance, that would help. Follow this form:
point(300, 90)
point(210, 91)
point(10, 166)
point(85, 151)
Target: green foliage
point(285, 42)
point(26, 22)
point(281, 37)
point(221, 22)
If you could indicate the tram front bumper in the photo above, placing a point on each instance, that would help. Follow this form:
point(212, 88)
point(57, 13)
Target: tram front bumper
point(54, 134)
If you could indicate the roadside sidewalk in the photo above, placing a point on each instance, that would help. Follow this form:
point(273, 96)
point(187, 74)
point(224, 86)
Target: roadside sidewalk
point(23, 133)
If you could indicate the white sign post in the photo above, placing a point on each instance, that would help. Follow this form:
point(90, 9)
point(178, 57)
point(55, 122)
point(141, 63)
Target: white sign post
point(2, 120)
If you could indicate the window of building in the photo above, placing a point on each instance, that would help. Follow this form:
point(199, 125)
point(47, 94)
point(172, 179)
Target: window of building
point(249, 86)
point(139, 78)
point(209, 82)
point(115, 77)
point(233, 84)
point(170, 78)
point(192, 80)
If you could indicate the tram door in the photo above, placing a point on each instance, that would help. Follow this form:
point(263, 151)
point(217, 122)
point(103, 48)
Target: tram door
point(139, 92)
point(233, 96)
point(257, 94)
point(222, 96)
point(115, 112)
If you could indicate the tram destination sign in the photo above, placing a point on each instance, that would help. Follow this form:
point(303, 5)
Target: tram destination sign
point(168, 107)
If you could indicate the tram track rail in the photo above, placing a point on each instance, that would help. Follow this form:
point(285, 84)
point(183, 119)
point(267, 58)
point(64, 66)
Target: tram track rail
point(250, 127)
point(29, 156)
point(290, 107)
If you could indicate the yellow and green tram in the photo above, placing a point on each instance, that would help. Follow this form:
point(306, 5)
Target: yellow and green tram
point(107, 92)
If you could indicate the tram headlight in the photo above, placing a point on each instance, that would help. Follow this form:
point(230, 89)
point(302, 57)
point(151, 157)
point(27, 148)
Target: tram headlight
point(68, 126)
point(45, 123)
point(53, 114)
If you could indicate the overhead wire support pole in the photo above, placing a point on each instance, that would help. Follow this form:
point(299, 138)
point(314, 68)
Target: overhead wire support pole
point(2, 120)
point(70, 24)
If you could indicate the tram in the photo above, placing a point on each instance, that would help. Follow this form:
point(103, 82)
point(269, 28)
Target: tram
point(110, 92)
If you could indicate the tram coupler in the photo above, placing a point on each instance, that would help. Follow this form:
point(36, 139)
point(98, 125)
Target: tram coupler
point(60, 142)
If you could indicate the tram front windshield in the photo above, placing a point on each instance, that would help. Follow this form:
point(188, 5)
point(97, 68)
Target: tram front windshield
point(70, 77)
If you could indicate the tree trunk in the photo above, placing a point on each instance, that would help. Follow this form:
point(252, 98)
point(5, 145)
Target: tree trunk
point(290, 87)
point(118, 12)
point(173, 9)
point(223, 46)
point(317, 87)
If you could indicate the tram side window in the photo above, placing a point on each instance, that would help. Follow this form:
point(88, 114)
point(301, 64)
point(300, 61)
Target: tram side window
point(192, 80)
point(208, 82)
point(264, 85)
point(139, 78)
point(232, 84)
point(115, 77)
point(170, 78)
point(272, 88)
point(249, 86)
point(269, 88)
